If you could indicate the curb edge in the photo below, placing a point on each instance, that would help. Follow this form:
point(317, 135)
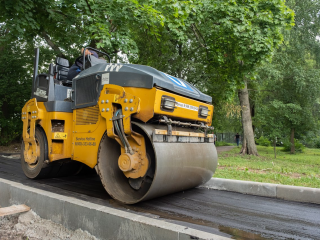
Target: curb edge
point(286, 192)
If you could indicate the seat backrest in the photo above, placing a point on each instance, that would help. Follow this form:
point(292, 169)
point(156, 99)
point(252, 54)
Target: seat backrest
point(62, 62)
point(61, 69)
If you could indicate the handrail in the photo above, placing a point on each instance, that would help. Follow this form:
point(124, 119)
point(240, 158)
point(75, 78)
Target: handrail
point(84, 55)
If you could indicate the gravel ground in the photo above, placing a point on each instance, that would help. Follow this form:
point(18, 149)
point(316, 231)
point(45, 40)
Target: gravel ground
point(29, 226)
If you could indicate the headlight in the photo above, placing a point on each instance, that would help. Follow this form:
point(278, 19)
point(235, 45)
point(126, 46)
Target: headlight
point(168, 103)
point(203, 111)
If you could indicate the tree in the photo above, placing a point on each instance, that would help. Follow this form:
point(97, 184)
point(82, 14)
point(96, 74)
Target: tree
point(223, 44)
point(15, 89)
point(108, 25)
point(214, 44)
point(63, 26)
point(292, 79)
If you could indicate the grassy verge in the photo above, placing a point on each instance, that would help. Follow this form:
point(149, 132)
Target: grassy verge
point(301, 169)
point(222, 143)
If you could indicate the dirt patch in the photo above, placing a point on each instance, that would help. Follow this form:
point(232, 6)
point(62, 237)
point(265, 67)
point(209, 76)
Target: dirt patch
point(224, 148)
point(262, 171)
point(30, 226)
point(244, 156)
point(12, 148)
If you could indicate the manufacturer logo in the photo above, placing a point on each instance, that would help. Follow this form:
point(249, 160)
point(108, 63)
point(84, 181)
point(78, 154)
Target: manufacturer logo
point(178, 82)
point(113, 67)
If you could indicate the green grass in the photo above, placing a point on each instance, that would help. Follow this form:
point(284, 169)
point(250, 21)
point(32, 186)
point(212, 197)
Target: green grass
point(222, 143)
point(301, 169)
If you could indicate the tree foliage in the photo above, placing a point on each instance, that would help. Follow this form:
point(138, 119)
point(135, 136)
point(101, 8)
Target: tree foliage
point(213, 44)
point(224, 44)
point(223, 41)
point(15, 89)
point(292, 78)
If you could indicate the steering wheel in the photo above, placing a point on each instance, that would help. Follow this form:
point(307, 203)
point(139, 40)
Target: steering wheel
point(78, 61)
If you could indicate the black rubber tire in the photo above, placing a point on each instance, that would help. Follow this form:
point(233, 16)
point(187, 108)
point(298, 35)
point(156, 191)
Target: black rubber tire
point(40, 169)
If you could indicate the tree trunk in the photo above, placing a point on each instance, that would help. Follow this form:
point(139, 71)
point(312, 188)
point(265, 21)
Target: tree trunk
point(252, 111)
point(244, 148)
point(248, 136)
point(179, 67)
point(292, 141)
point(52, 44)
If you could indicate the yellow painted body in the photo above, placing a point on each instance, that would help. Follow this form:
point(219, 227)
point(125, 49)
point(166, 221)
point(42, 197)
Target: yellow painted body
point(59, 147)
point(84, 128)
point(150, 101)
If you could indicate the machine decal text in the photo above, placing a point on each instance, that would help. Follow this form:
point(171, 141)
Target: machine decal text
point(186, 106)
point(85, 141)
point(105, 78)
point(84, 144)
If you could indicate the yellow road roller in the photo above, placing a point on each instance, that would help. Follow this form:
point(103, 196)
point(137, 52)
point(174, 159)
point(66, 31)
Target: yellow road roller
point(146, 133)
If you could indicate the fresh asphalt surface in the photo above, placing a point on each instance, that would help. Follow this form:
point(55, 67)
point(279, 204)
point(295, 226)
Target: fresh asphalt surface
point(224, 213)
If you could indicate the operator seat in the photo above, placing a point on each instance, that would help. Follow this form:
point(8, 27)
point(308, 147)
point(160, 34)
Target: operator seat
point(61, 70)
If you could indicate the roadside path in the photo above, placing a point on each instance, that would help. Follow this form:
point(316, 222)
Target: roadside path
point(224, 148)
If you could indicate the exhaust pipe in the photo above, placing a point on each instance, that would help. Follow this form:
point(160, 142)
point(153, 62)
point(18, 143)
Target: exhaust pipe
point(35, 69)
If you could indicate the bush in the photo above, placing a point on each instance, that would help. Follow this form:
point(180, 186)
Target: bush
point(313, 142)
point(222, 143)
point(299, 147)
point(10, 130)
point(317, 142)
point(263, 141)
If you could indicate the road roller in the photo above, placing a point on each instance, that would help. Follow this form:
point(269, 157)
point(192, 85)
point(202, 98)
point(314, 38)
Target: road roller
point(144, 132)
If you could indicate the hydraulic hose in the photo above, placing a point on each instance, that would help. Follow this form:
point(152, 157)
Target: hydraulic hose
point(119, 128)
point(124, 136)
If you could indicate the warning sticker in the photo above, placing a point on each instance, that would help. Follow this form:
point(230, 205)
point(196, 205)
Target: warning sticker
point(60, 135)
point(186, 106)
point(105, 78)
point(41, 93)
point(69, 91)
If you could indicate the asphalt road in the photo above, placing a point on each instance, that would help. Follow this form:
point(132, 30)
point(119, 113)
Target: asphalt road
point(224, 213)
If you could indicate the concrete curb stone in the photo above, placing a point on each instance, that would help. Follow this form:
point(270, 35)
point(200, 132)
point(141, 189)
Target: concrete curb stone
point(245, 187)
point(286, 192)
point(100, 221)
point(298, 194)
